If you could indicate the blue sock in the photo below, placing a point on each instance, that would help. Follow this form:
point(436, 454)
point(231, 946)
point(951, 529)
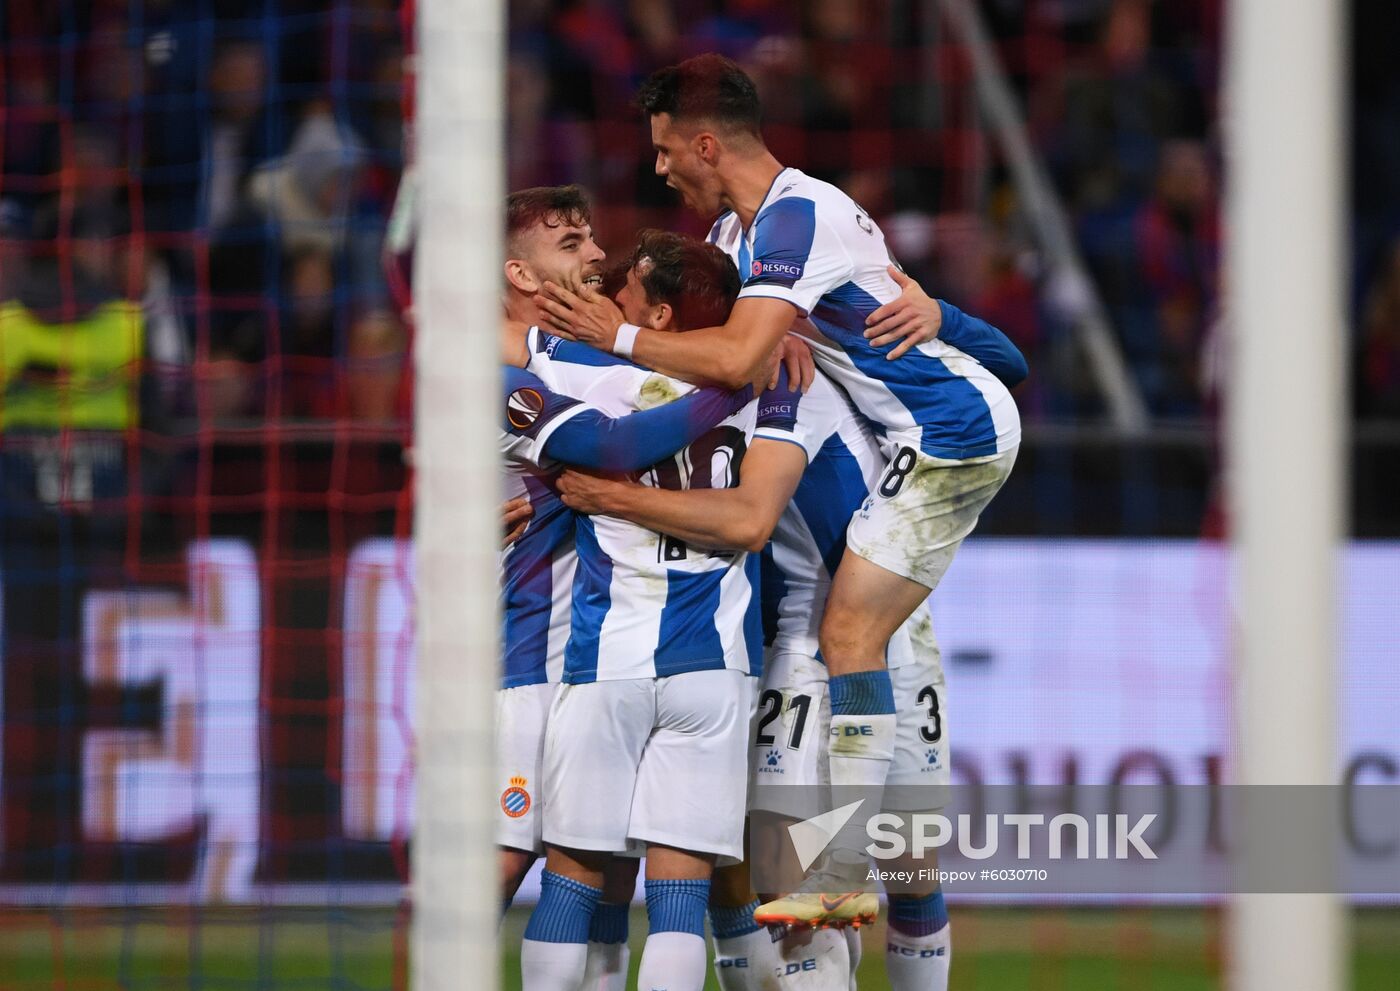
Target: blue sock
point(564, 912)
point(677, 906)
point(730, 923)
point(864, 693)
point(919, 916)
point(609, 924)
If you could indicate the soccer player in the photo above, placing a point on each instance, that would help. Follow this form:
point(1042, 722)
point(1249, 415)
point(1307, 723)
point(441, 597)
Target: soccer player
point(950, 429)
point(811, 465)
point(646, 738)
point(548, 236)
point(542, 431)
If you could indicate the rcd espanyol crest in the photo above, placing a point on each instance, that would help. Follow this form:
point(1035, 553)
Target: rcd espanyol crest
point(515, 800)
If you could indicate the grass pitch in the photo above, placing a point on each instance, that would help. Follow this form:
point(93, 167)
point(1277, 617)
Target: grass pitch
point(995, 949)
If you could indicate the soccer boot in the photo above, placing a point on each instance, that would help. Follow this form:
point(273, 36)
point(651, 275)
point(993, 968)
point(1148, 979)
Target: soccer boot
point(819, 910)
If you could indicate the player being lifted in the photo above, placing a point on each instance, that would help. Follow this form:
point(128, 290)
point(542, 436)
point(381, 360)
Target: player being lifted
point(950, 429)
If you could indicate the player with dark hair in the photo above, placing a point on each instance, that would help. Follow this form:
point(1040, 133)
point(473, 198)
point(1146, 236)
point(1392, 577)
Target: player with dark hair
point(700, 280)
point(647, 736)
point(950, 429)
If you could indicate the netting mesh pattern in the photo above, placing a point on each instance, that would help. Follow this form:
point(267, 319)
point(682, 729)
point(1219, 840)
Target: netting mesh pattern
point(205, 500)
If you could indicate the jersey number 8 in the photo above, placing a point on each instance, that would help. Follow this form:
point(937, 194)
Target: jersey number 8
point(897, 472)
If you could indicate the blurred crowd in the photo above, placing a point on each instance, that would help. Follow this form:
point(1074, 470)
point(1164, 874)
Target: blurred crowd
point(229, 172)
point(1122, 100)
point(230, 169)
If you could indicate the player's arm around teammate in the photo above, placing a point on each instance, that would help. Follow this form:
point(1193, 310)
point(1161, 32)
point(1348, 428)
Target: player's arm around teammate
point(735, 352)
point(568, 431)
point(544, 430)
point(742, 518)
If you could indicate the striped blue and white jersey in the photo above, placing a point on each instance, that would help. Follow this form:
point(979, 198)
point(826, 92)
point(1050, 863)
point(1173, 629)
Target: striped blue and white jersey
point(537, 571)
point(844, 463)
point(646, 605)
point(541, 427)
point(812, 246)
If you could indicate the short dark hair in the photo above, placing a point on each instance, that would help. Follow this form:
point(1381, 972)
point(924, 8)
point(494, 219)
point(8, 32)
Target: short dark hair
point(697, 279)
point(706, 87)
point(552, 206)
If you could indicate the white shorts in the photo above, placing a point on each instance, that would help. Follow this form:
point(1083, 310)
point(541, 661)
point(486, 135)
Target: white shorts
point(789, 738)
point(923, 507)
point(652, 760)
point(520, 721)
point(788, 755)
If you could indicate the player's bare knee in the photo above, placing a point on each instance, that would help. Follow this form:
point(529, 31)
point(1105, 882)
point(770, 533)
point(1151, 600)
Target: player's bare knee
point(665, 863)
point(584, 866)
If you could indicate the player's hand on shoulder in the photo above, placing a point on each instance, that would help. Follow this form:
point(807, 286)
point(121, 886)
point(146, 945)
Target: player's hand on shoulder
point(794, 354)
point(580, 314)
point(911, 319)
point(515, 517)
point(585, 492)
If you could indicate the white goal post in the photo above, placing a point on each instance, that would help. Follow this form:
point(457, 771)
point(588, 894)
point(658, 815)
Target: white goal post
point(1285, 134)
point(460, 166)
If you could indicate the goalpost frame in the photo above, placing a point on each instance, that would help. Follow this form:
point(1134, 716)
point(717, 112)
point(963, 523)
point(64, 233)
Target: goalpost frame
point(1284, 133)
point(460, 163)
